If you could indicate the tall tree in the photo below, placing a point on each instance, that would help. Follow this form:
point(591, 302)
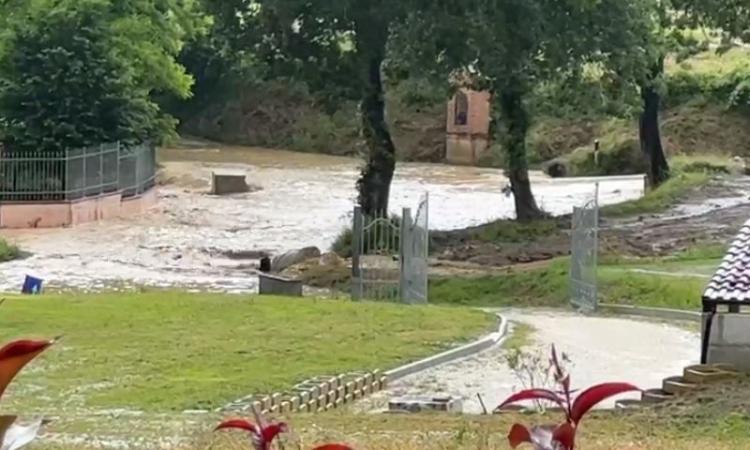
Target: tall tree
point(79, 72)
point(338, 49)
point(509, 47)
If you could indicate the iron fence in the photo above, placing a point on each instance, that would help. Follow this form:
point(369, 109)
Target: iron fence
point(76, 173)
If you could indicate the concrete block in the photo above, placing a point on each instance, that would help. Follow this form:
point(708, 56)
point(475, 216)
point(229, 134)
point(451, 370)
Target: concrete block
point(228, 182)
point(258, 406)
point(294, 402)
point(324, 387)
point(383, 382)
point(275, 285)
point(275, 409)
point(359, 382)
point(348, 398)
point(266, 403)
point(301, 408)
point(304, 396)
point(368, 379)
point(312, 405)
point(375, 386)
point(330, 406)
point(339, 402)
point(350, 387)
point(322, 400)
point(285, 407)
point(276, 399)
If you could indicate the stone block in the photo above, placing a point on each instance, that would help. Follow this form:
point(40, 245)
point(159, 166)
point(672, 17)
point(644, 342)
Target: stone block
point(322, 400)
point(350, 387)
point(331, 396)
point(266, 403)
point(340, 392)
point(294, 402)
point(304, 396)
point(383, 382)
point(285, 407)
point(312, 405)
point(275, 285)
point(228, 182)
point(276, 399)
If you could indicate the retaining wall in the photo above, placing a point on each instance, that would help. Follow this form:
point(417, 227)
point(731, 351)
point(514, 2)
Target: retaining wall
point(64, 214)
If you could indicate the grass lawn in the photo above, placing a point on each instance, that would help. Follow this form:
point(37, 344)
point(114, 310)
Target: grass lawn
point(167, 351)
point(668, 282)
point(659, 199)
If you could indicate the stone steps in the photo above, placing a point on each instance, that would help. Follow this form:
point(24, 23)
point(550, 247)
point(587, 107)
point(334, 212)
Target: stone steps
point(693, 378)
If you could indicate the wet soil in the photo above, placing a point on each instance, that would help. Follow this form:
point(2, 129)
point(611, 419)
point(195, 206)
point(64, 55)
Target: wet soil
point(712, 215)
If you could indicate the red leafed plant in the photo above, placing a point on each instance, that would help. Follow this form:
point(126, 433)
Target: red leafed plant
point(560, 436)
point(14, 357)
point(263, 434)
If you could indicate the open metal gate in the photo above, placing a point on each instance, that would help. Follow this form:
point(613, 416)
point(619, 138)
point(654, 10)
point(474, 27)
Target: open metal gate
point(389, 255)
point(584, 250)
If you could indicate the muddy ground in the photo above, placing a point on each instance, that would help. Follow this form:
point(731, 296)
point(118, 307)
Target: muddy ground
point(711, 215)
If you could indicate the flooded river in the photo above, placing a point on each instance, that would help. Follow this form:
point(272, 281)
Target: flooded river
point(304, 199)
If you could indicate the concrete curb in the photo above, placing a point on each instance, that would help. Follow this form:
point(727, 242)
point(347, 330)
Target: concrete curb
point(453, 354)
point(654, 313)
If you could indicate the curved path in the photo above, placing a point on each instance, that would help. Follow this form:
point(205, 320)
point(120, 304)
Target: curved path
point(601, 349)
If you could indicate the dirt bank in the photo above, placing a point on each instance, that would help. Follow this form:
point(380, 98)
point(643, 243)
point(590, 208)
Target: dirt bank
point(711, 215)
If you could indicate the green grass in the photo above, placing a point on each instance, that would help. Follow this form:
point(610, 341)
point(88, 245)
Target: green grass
point(170, 351)
point(521, 336)
point(659, 199)
point(676, 282)
point(514, 231)
point(8, 251)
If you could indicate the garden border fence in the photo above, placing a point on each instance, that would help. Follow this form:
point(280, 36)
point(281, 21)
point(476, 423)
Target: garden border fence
point(73, 174)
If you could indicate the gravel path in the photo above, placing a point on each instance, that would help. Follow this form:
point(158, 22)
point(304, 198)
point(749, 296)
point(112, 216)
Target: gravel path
point(601, 349)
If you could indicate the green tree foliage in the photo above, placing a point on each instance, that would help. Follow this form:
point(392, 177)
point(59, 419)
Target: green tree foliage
point(338, 48)
point(80, 72)
point(511, 47)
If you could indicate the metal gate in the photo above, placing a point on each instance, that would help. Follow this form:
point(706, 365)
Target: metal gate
point(414, 265)
point(389, 255)
point(584, 249)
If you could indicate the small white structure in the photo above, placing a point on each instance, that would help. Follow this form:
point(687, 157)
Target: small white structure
point(726, 303)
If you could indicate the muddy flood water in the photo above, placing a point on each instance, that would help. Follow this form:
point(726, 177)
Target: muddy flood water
point(304, 199)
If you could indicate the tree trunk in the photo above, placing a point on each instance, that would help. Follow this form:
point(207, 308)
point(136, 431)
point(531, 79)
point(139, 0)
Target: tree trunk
point(374, 184)
point(650, 135)
point(515, 125)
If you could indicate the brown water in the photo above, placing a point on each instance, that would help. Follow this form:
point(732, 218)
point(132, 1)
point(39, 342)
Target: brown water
point(306, 199)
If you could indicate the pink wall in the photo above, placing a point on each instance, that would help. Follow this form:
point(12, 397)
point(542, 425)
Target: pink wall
point(478, 118)
point(465, 144)
point(52, 215)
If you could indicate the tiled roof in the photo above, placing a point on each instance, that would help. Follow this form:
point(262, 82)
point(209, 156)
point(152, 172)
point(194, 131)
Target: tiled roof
point(731, 282)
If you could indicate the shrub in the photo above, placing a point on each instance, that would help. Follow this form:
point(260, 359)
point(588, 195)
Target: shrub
point(8, 251)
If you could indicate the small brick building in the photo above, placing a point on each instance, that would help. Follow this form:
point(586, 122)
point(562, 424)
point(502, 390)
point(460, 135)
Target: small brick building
point(467, 127)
